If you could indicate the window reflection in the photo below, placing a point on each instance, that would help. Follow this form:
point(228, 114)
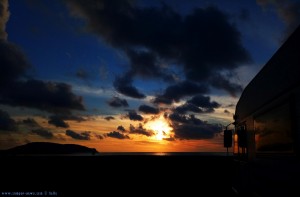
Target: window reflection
point(273, 131)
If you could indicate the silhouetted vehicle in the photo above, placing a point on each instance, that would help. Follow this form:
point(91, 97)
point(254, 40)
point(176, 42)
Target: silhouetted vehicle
point(267, 127)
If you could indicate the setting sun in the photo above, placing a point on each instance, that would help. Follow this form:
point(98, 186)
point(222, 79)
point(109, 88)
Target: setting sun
point(160, 127)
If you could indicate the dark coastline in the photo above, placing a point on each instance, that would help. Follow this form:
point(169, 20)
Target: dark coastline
point(188, 175)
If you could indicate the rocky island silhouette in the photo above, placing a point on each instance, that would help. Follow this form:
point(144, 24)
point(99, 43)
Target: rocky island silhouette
point(48, 148)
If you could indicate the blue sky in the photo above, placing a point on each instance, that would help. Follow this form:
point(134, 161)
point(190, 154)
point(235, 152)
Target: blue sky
point(186, 61)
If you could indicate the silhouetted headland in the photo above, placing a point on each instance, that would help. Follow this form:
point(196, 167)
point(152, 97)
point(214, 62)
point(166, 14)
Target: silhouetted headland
point(47, 148)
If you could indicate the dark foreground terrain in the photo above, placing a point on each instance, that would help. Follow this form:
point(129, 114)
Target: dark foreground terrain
point(49, 169)
point(117, 175)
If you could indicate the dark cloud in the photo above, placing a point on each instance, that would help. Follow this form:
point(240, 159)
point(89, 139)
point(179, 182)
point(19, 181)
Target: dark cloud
point(117, 102)
point(192, 131)
point(99, 136)
point(213, 44)
point(148, 109)
point(43, 133)
point(51, 97)
point(30, 122)
point(175, 117)
point(7, 123)
point(121, 128)
point(79, 136)
point(147, 65)
point(190, 127)
point(17, 90)
point(13, 64)
point(59, 119)
point(126, 26)
point(58, 122)
point(4, 15)
point(203, 102)
point(188, 107)
point(226, 111)
point(86, 134)
point(203, 43)
point(218, 81)
point(108, 118)
point(37, 129)
point(140, 130)
point(198, 104)
point(123, 84)
point(132, 115)
point(118, 135)
point(288, 11)
point(180, 90)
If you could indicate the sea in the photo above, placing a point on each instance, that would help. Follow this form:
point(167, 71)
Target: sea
point(134, 154)
point(158, 154)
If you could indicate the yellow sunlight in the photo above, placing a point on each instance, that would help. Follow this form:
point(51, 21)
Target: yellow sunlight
point(160, 127)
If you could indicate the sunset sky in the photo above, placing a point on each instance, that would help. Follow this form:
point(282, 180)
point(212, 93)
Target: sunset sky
point(132, 75)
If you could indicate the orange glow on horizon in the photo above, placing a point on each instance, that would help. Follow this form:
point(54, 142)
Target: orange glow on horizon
point(163, 139)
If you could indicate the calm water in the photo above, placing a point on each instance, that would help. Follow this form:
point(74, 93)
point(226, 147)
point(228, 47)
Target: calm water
point(139, 154)
point(167, 153)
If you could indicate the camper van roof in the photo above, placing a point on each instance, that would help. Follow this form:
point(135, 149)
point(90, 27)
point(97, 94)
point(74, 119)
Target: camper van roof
point(279, 75)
